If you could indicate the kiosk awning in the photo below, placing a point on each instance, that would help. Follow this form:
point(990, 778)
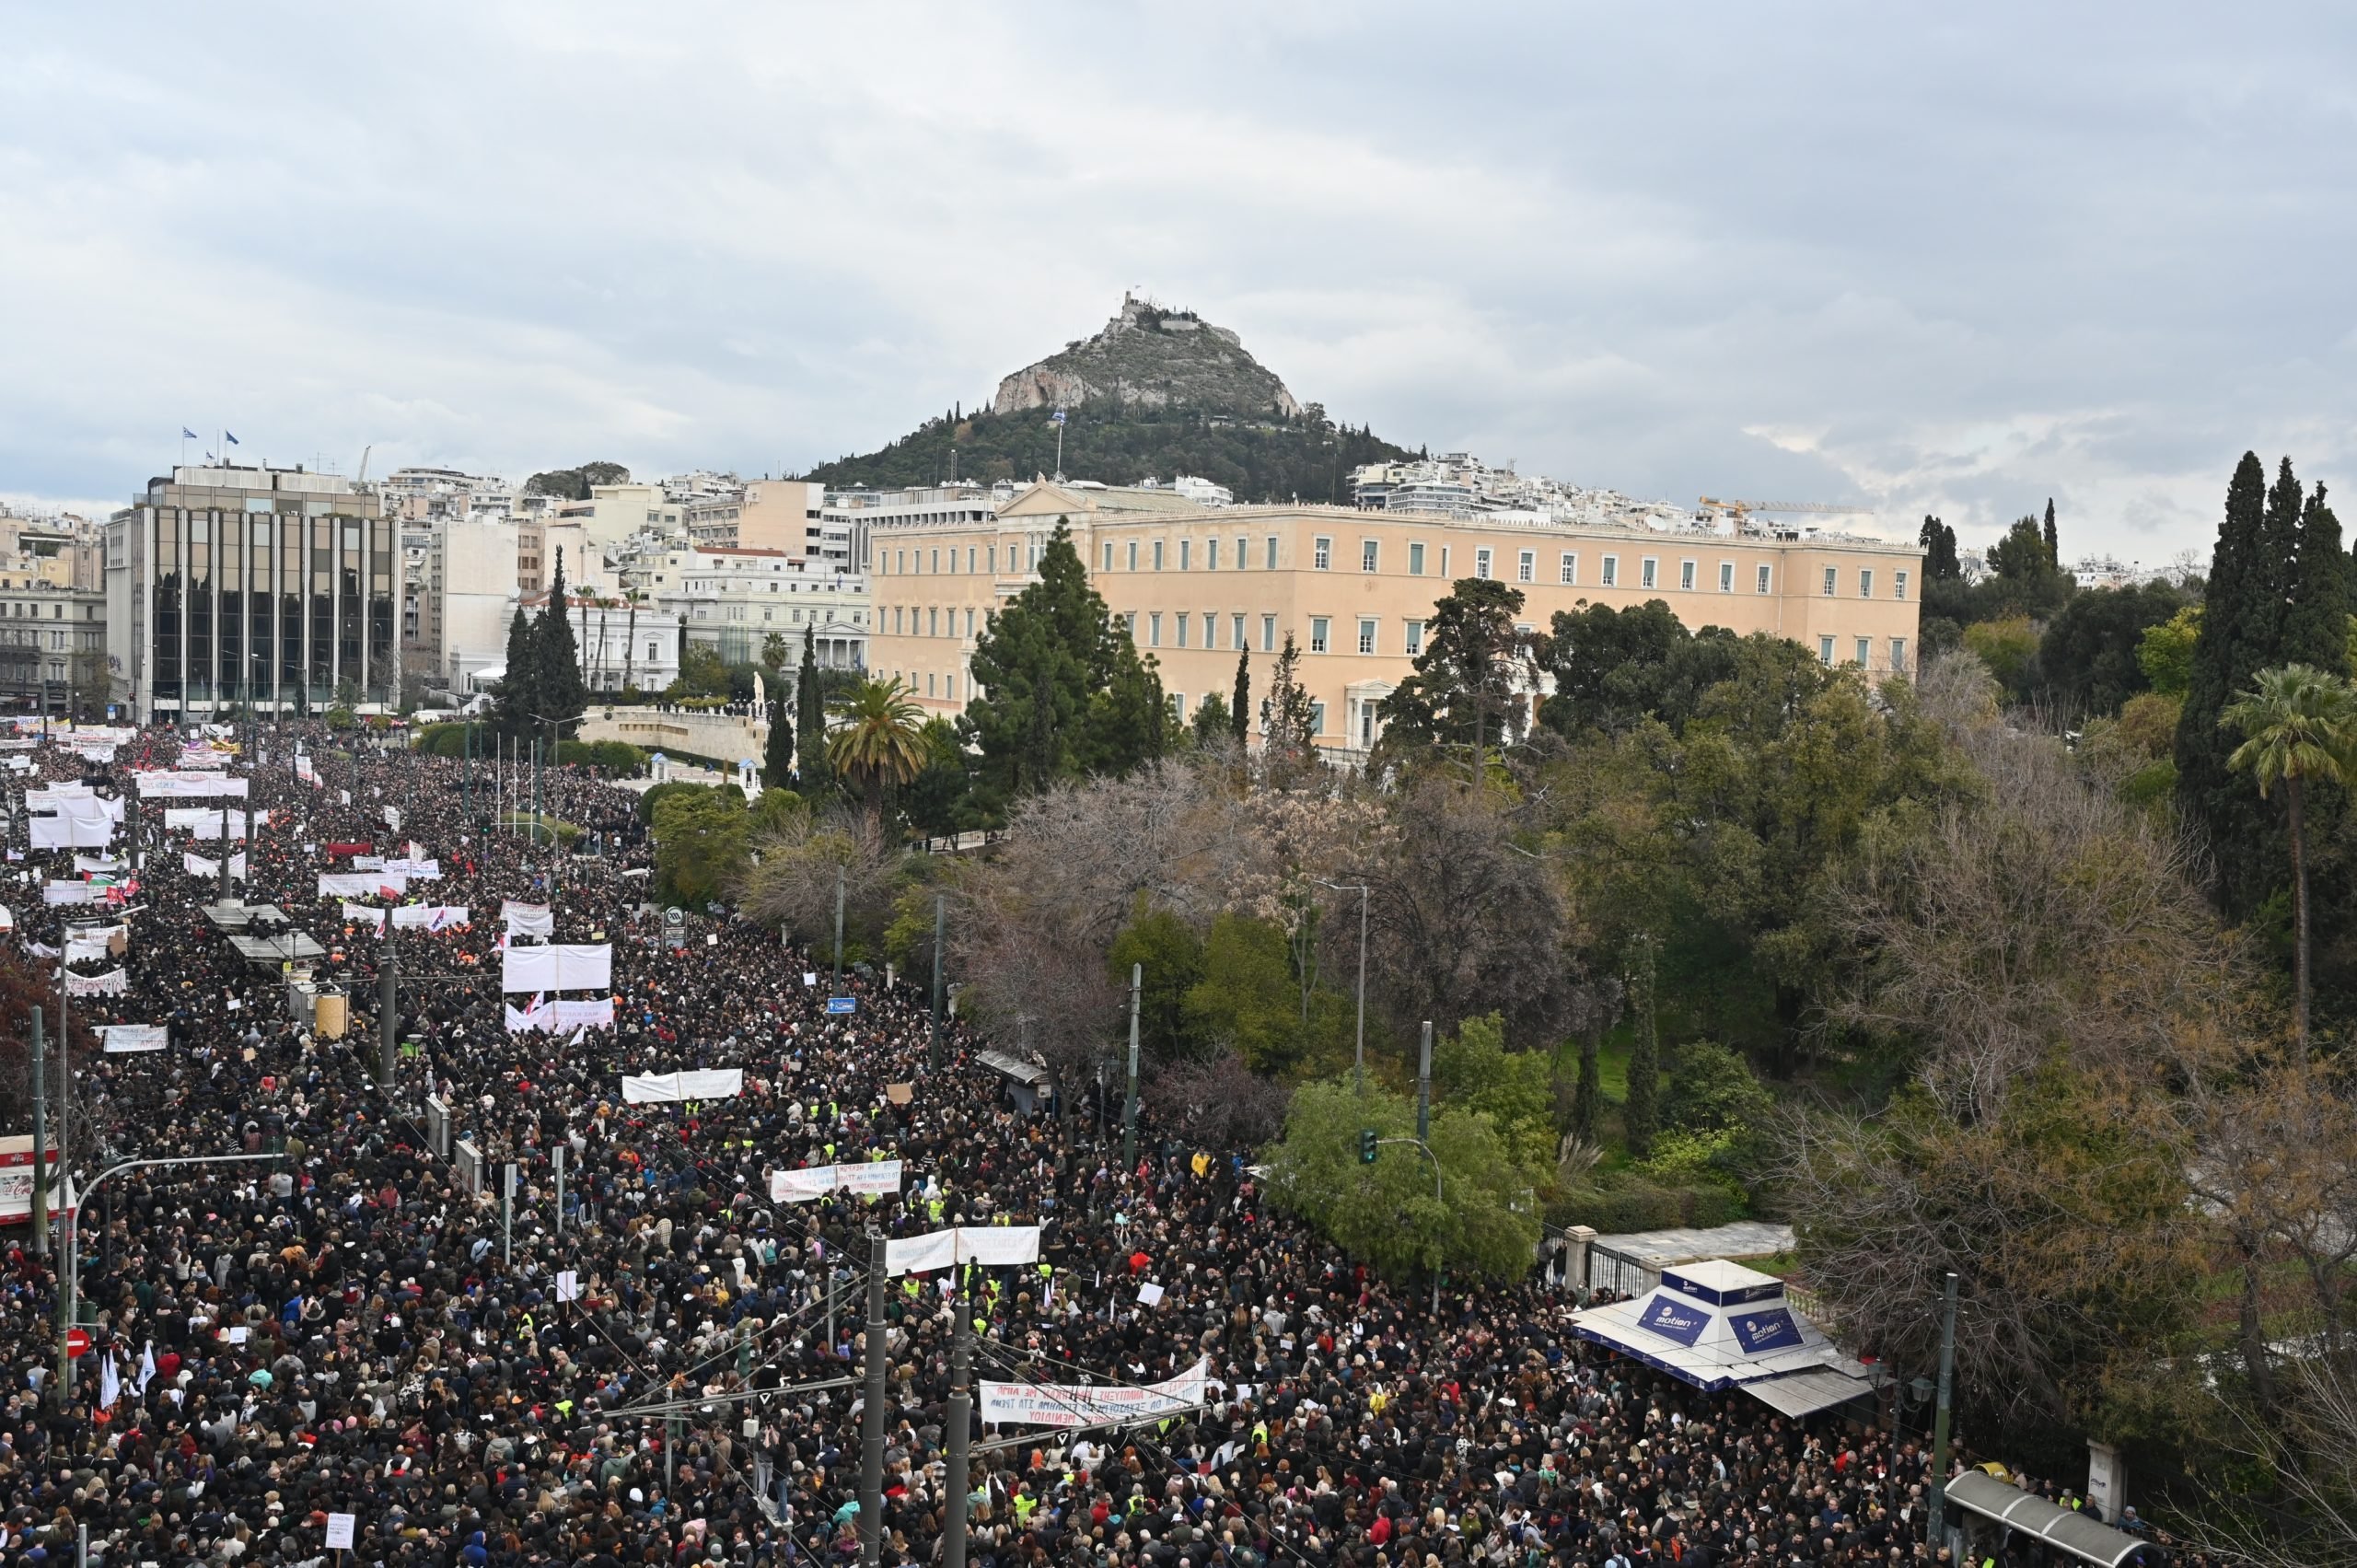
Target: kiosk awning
point(2018, 1510)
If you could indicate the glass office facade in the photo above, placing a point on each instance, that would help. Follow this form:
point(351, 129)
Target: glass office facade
point(286, 605)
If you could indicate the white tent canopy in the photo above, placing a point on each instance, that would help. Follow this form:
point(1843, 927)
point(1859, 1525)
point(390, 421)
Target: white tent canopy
point(1719, 1324)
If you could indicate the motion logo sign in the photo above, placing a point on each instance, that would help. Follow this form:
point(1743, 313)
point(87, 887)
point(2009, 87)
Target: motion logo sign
point(1673, 1319)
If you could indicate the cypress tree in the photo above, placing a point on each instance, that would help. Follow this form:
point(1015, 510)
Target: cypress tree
point(1640, 1113)
point(517, 693)
point(559, 691)
point(2315, 623)
point(810, 717)
point(2240, 619)
point(2053, 544)
point(777, 755)
point(1239, 705)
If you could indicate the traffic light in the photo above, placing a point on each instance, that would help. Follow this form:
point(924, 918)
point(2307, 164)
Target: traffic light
point(1366, 1145)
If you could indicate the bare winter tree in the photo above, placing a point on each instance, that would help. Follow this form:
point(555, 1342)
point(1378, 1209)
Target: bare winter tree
point(1080, 862)
point(1464, 924)
point(1219, 1101)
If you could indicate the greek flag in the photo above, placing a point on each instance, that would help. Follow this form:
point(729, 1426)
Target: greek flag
point(229, 439)
point(186, 434)
point(1056, 418)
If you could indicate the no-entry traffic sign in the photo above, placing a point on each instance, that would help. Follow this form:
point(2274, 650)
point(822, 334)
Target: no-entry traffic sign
point(78, 1342)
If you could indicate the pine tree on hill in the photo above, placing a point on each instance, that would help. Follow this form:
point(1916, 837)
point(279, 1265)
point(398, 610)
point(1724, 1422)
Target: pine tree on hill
point(777, 755)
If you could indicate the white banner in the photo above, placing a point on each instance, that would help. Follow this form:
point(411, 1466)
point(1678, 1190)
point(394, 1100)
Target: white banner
point(1083, 1404)
point(670, 1089)
point(423, 870)
point(361, 885)
point(800, 1185)
point(71, 832)
point(97, 863)
point(393, 818)
point(115, 983)
point(533, 1015)
point(429, 917)
point(197, 866)
point(528, 920)
point(361, 914)
point(921, 1254)
point(990, 1244)
point(178, 786)
point(96, 942)
point(559, 967)
point(134, 1037)
point(70, 893)
point(206, 822)
point(595, 1014)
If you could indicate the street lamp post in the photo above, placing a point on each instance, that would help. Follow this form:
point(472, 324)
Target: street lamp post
point(73, 1271)
point(1437, 1198)
point(1358, 1056)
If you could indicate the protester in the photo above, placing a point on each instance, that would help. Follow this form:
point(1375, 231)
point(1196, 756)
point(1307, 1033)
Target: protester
point(346, 1331)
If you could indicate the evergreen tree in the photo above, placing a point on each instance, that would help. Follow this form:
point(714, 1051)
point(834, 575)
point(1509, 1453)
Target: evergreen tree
point(1462, 692)
point(777, 755)
point(1640, 1112)
point(2315, 621)
point(810, 719)
point(1239, 703)
point(559, 692)
point(2239, 631)
point(518, 691)
point(1063, 690)
point(1288, 719)
point(2053, 544)
point(1938, 541)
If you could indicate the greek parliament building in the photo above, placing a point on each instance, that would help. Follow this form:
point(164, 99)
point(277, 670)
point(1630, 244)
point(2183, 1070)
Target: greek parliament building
point(1197, 584)
point(229, 581)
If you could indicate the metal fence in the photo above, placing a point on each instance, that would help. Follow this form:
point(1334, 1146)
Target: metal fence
point(1619, 1272)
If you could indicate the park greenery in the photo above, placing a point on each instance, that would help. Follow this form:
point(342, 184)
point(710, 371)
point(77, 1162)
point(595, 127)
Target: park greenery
point(2038, 965)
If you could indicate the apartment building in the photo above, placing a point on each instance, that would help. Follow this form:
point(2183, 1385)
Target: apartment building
point(1196, 586)
point(52, 613)
point(458, 594)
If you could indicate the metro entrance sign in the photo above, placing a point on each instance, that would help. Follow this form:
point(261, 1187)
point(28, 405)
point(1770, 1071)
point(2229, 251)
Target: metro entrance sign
point(78, 1342)
point(842, 1004)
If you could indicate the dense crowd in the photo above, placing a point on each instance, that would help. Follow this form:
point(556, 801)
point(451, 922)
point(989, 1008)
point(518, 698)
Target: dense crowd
point(349, 1330)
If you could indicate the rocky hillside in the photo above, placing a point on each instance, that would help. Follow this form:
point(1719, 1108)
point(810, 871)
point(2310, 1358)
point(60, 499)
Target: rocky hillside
point(1155, 393)
point(1147, 357)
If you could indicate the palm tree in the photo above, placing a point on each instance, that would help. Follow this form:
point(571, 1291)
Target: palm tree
point(2299, 722)
point(877, 738)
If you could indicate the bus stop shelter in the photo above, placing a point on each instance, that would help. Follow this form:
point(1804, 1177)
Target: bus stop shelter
point(2000, 1502)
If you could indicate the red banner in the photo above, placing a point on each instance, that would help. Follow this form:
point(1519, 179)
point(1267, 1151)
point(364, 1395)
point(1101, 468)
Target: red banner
point(351, 849)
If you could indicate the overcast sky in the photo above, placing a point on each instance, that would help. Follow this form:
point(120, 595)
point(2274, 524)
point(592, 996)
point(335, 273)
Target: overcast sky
point(1954, 260)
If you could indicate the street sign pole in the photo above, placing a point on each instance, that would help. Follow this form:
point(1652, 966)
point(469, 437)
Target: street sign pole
point(940, 922)
point(1130, 1113)
point(871, 1425)
point(839, 930)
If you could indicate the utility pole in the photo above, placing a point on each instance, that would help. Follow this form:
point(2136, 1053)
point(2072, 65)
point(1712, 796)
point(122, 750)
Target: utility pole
point(1130, 1112)
point(940, 924)
point(1935, 1525)
point(389, 1014)
point(556, 1162)
point(224, 851)
point(507, 1217)
point(839, 932)
point(1424, 1086)
point(871, 1423)
point(961, 1420)
point(40, 1140)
